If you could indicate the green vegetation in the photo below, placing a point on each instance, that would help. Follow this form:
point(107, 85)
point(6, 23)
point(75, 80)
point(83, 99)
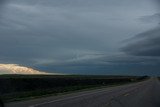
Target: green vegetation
point(18, 87)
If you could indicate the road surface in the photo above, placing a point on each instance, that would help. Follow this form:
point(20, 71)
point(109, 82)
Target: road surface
point(142, 94)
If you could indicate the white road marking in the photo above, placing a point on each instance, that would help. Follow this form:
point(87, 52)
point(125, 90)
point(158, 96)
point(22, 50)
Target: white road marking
point(67, 98)
point(54, 101)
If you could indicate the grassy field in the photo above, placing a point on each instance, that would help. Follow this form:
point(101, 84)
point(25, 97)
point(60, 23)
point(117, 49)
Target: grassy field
point(19, 87)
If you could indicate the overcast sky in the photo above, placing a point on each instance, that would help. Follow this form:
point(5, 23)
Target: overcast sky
point(82, 36)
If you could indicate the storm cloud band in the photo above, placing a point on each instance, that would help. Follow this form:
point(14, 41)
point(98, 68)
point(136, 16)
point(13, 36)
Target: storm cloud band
point(79, 35)
point(146, 44)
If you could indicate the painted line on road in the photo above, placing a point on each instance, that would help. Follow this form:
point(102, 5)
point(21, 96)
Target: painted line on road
point(54, 101)
point(126, 94)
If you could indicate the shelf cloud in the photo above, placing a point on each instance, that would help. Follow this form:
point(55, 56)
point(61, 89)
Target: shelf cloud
point(80, 36)
point(146, 44)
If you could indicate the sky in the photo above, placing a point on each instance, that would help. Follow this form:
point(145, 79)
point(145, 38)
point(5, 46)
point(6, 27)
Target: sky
point(99, 37)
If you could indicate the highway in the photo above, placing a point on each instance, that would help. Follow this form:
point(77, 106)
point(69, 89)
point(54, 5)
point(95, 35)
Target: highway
point(142, 94)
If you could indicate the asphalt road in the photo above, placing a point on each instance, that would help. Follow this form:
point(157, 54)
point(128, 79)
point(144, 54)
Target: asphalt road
point(142, 94)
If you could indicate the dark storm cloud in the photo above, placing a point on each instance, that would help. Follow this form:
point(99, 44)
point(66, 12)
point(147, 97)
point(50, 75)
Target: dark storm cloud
point(2, 2)
point(104, 60)
point(150, 19)
point(71, 35)
point(146, 44)
point(111, 65)
point(34, 28)
point(157, 2)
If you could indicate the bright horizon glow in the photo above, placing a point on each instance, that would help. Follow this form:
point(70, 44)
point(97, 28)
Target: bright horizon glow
point(17, 69)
